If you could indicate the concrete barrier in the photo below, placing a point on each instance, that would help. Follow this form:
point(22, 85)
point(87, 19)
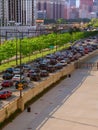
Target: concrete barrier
point(19, 103)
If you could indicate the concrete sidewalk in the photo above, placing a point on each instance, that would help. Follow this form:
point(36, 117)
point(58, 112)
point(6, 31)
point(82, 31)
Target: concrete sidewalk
point(71, 105)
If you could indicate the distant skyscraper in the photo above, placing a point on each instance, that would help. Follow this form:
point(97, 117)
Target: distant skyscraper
point(87, 4)
point(72, 2)
point(3, 12)
point(96, 2)
point(54, 8)
point(21, 11)
point(86, 7)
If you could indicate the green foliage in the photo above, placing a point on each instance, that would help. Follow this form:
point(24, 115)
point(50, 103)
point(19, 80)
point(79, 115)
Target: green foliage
point(61, 21)
point(30, 45)
point(93, 22)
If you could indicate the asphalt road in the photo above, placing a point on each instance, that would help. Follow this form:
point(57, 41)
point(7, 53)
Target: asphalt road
point(71, 105)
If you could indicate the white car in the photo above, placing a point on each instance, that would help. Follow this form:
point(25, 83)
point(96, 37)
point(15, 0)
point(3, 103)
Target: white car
point(16, 71)
point(17, 77)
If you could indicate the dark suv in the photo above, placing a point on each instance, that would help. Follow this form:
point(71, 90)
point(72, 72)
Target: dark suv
point(24, 82)
point(35, 77)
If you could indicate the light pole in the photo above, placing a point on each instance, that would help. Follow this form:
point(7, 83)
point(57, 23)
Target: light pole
point(55, 30)
point(21, 85)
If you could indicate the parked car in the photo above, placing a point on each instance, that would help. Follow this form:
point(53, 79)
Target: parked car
point(35, 77)
point(51, 68)
point(44, 73)
point(86, 50)
point(7, 76)
point(17, 71)
point(26, 67)
point(53, 61)
point(34, 70)
point(63, 62)
point(59, 66)
point(9, 70)
point(7, 83)
point(43, 66)
point(5, 94)
point(17, 77)
point(24, 82)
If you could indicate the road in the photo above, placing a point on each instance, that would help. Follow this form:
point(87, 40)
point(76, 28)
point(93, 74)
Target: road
point(71, 105)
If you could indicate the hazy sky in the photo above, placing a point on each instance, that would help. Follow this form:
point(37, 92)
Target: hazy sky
point(77, 2)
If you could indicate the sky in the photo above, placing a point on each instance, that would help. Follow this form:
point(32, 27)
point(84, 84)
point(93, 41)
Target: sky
point(77, 2)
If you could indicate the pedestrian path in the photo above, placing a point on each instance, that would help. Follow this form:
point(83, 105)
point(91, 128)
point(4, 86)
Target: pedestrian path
point(71, 105)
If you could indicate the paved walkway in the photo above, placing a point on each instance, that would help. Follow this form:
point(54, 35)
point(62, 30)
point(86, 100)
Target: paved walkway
point(71, 105)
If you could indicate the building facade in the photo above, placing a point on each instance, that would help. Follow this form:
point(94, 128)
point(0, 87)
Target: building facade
point(86, 7)
point(73, 3)
point(86, 4)
point(54, 9)
point(21, 11)
point(3, 12)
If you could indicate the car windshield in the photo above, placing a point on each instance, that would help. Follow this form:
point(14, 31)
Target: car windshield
point(6, 81)
point(17, 75)
point(2, 92)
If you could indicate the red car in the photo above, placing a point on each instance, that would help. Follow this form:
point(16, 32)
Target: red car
point(86, 50)
point(5, 94)
point(7, 83)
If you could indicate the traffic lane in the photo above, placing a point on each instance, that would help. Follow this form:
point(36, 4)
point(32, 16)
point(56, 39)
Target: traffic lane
point(16, 93)
point(4, 102)
point(46, 114)
point(50, 103)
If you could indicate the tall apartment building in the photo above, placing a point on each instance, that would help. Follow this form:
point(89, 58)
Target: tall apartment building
point(54, 8)
point(87, 4)
point(73, 3)
point(86, 7)
point(3, 12)
point(21, 11)
point(96, 2)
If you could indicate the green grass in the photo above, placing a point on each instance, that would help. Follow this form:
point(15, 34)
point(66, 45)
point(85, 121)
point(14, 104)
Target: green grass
point(31, 58)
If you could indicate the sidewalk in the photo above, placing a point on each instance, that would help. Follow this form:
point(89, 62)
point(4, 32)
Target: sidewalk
point(71, 105)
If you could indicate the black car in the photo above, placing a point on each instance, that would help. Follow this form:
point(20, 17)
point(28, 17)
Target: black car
point(43, 66)
point(9, 70)
point(59, 66)
point(44, 73)
point(51, 68)
point(7, 76)
point(24, 82)
point(35, 77)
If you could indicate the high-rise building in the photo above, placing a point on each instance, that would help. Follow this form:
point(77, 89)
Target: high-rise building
point(3, 12)
point(29, 12)
point(87, 4)
point(96, 2)
point(86, 7)
point(72, 3)
point(21, 11)
point(54, 8)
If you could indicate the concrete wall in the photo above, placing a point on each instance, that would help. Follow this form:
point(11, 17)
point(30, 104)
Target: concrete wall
point(18, 103)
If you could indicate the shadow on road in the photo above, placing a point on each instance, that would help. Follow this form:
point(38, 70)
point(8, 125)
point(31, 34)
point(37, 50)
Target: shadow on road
point(56, 97)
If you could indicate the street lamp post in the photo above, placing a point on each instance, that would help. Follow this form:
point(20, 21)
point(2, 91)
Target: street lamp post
point(20, 85)
point(55, 30)
point(16, 50)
